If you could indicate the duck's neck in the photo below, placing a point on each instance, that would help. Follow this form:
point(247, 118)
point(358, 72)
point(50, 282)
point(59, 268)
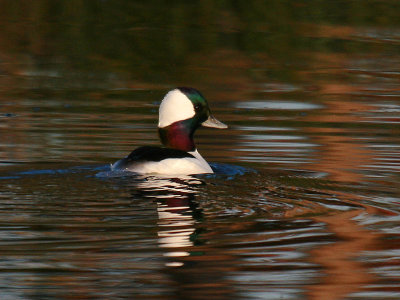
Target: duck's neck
point(178, 135)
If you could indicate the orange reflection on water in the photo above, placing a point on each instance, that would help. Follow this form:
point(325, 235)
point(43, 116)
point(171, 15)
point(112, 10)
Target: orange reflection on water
point(343, 273)
point(341, 153)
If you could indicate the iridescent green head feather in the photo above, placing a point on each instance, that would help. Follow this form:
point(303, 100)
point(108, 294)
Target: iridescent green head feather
point(181, 112)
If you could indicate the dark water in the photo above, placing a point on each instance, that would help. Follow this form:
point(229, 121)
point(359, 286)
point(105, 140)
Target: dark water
point(305, 203)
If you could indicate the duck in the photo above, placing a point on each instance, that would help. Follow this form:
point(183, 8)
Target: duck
point(181, 112)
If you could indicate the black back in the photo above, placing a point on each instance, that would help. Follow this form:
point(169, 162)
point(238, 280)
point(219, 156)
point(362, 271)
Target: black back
point(153, 153)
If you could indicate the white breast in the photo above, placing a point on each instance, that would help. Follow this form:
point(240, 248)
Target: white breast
point(175, 166)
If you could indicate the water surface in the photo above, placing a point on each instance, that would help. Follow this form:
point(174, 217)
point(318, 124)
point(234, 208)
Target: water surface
point(305, 200)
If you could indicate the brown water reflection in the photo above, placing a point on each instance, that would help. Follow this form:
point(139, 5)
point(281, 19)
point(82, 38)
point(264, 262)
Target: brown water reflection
point(342, 152)
point(344, 275)
point(311, 93)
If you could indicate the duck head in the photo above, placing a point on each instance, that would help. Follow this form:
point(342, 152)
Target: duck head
point(181, 112)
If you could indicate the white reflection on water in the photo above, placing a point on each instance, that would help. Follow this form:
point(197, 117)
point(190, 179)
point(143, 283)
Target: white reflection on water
point(279, 87)
point(259, 137)
point(277, 105)
point(175, 214)
point(264, 128)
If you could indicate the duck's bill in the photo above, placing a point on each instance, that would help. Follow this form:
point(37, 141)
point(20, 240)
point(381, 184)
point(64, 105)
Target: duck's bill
point(213, 122)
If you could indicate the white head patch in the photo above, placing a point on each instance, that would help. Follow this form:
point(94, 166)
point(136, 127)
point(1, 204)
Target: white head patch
point(175, 106)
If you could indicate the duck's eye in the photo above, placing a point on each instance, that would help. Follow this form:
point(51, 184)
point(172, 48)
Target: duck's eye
point(197, 107)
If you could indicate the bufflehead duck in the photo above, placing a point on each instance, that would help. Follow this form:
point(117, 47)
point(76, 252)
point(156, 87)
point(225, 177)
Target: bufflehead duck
point(181, 112)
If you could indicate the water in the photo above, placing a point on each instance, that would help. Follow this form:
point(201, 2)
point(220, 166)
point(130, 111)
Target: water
point(305, 200)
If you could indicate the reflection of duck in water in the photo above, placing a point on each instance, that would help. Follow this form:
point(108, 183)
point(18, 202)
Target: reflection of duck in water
point(177, 212)
point(181, 112)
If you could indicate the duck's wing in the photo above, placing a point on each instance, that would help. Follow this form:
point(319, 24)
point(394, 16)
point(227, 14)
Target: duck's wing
point(153, 153)
point(149, 154)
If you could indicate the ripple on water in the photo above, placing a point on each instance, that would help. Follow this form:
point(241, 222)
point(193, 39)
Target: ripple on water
point(256, 227)
point(277, 105)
